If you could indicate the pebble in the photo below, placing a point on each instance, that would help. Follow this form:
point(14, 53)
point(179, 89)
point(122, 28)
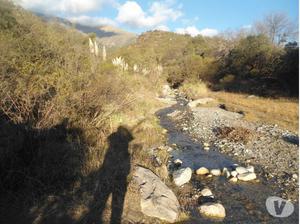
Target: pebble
point(206, 192)
point(295, 176)
point(205, 144)
point(206, 148)
point(215, 172)
point(202, 171)
point(177, 162)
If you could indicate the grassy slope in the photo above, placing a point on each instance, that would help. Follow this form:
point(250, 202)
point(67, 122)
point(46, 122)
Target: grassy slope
point(65, 103)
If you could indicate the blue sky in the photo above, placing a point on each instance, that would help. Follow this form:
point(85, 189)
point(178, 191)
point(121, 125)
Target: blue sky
point(206, 17)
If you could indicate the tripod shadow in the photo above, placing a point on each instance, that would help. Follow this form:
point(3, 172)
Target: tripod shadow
point(111, 179)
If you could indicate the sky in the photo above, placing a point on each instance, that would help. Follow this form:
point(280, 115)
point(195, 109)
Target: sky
point(205, 17)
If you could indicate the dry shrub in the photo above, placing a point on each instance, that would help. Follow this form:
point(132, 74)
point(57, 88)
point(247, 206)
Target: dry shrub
point(234, 134)
point(194, 90)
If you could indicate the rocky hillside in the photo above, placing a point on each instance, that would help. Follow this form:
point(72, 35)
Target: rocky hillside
point(107, 35)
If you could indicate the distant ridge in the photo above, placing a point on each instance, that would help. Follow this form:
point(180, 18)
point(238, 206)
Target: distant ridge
point(107, 35)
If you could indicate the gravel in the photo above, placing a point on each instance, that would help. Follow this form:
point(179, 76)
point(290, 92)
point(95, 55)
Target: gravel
point(273, 151)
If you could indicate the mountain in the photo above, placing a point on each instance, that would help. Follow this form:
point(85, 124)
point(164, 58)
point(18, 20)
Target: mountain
point(107, 35)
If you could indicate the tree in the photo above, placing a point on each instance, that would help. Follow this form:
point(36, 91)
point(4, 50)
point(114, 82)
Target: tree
point(277, 27)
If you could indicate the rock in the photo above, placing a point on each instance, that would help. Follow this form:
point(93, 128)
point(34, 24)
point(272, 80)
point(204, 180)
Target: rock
point(198, 102)
point(233, 179)
point(202, 171)
point(206, 148)
point(205, 144)
point(250, 169)
point(177, 162)
point(241, 170)
point(164, 131)
point(226, 172)
point(215, 172)
point(234, 173)
point(209, 175)
point(295, 176)
point(157, 200)
point(182, 176)
point(246, 176)
point(206, 192)
point(212, 210)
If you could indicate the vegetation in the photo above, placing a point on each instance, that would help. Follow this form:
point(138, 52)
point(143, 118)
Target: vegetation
point(60, 105)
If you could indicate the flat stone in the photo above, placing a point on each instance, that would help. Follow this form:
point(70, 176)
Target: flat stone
point(246, 176)
point(202, 171)
point(212, 210)
point(157, 200)
point(182, 176)
point(241, 170)
point(215, 172)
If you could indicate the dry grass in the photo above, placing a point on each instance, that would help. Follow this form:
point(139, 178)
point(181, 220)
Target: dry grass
point(194, 90)
point(283, 112)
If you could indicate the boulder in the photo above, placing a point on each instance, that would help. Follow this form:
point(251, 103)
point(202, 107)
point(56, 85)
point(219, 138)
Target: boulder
point(182, 176)
point(212, 210)
point(202, 171)
point(246, 176)
point(198, 102)
point(157, 200)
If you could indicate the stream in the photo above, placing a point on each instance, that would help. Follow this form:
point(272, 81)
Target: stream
point(244, 201)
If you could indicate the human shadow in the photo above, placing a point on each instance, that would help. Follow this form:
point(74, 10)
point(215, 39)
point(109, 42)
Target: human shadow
point(111, 179)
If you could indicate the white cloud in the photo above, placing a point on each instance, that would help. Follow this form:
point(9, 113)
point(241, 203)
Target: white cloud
point(193, 31)
point(62, 6)
point(92, 21)
point(247, 27)
point(162, 28)
point(132, 14)
point(209, 32)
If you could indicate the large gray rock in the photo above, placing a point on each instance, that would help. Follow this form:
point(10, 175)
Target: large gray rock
point(182, 176)
point(212, 210)
point(157, 200)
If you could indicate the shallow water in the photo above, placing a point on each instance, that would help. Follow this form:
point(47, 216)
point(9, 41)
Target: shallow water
point(244, 201)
